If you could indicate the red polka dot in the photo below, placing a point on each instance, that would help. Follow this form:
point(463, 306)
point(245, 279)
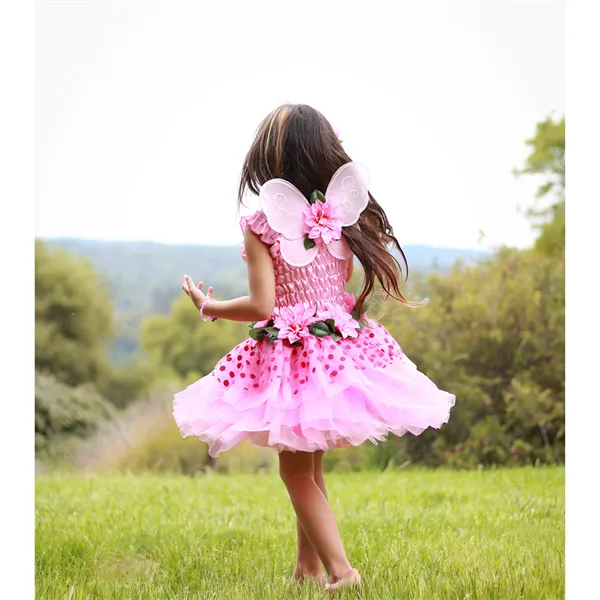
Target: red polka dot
point(255, 385)
point(391, 347)
point(247, 363)
point(305, 353)
point(231, 374)
point(311, 350)
point(330, 356)
point(246, 348)
point(239, 357)
point(342, 358)
point(252, 353)
point(296, 375)
point(295, 392)
point(371, 335)
point(274, 368)
point(239, 365)
point(303, 381)
point(226, 383)
point(327, 367)
point(303, 364)
point(341, 367)
point(362, 357)
point(242, 375)
point(229, 358)
point(332, 346)
point(222, 368)
point(252, 376)
point(314, 369)
point(333, 374)
point(386, 341)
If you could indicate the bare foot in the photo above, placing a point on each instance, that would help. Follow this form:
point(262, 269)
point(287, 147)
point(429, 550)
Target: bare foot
point(351, 578)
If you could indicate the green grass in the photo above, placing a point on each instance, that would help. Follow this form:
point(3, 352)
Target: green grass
point(442, 534)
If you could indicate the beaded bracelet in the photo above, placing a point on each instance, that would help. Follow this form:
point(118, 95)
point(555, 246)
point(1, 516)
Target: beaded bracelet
point(212, 319)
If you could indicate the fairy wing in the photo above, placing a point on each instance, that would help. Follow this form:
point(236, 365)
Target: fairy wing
point(294, 253)
point(349, 189)
point(283, 205)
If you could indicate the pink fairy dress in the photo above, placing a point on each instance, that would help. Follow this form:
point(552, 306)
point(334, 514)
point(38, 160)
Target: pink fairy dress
point(312, 377)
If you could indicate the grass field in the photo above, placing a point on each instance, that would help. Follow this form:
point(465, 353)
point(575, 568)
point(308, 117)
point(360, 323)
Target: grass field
point(483, 535)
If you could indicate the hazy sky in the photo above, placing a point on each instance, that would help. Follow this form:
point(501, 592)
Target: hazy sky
point(145, 110)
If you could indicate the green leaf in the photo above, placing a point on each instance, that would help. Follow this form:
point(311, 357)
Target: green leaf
point(308, 243)
point(319, 329)
point(273, 336)
point(258, 334)
point(331, 324)
point(297, 343)
point(317, 195)
point(335, 336)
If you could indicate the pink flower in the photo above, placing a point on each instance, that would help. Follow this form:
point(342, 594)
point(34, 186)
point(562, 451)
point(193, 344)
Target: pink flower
point(343, 320)
point(322, 221)
point(261, 323)
point(350, 301)
point(293, 322)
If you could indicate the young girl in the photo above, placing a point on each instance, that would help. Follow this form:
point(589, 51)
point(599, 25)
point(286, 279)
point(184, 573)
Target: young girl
point(316, 373)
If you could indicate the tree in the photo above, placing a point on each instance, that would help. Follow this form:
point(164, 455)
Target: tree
point(492, 334)
point(182, 347)
point(547, 159)
point(73, 317)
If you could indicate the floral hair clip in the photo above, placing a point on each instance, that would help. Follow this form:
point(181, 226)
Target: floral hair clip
point(307, 224)
point(337, 134)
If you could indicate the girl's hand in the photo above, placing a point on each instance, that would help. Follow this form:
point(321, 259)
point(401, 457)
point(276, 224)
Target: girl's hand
point(195, 293)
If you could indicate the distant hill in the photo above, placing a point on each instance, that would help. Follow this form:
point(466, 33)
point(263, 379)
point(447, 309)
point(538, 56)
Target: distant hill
point(145, 277)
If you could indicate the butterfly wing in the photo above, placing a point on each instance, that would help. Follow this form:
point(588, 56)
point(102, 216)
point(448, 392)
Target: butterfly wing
point(340, 249)
point(294, 253)
point(349, 189)
point(283, 205)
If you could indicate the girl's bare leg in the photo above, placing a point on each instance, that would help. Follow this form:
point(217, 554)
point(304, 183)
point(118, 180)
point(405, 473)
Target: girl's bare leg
point(308, 563)
point(297, 470)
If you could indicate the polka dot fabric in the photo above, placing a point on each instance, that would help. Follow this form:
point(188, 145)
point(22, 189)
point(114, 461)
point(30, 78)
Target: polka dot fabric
point(318, 396)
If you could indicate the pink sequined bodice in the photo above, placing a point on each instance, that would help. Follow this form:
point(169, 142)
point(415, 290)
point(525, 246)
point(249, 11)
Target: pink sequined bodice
point(321, 283)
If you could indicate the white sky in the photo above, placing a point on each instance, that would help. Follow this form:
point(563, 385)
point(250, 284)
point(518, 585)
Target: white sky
point(145, 110)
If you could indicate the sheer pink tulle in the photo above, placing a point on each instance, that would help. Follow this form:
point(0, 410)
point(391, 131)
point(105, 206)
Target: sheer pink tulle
point(317, 396)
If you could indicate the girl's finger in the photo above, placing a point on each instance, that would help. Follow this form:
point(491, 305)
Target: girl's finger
point(210, 292)
point(200, 285)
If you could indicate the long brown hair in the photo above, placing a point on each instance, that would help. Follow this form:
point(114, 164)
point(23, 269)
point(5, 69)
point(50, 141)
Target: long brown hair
point(297, 143)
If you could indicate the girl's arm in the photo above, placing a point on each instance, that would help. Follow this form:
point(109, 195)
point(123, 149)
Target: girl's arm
point(261, 281)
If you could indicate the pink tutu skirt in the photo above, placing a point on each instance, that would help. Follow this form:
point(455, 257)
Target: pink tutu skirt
point(317, 396)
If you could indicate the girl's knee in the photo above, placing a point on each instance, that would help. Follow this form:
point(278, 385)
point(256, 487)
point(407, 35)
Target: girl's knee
point(296, 469)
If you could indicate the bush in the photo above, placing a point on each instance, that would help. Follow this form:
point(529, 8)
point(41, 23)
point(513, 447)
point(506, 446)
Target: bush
point(493, 335)
point(143, 438)
point(63, 413)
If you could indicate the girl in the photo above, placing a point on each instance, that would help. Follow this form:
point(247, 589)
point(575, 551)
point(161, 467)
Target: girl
point(316, 373)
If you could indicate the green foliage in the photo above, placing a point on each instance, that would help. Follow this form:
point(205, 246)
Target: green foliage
point(492, 334)
point(143, 438)
point(547, 159)
point(73, 317)
point(63, 413)
point(497, 534)
point(181, 345)
point(124, 385)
